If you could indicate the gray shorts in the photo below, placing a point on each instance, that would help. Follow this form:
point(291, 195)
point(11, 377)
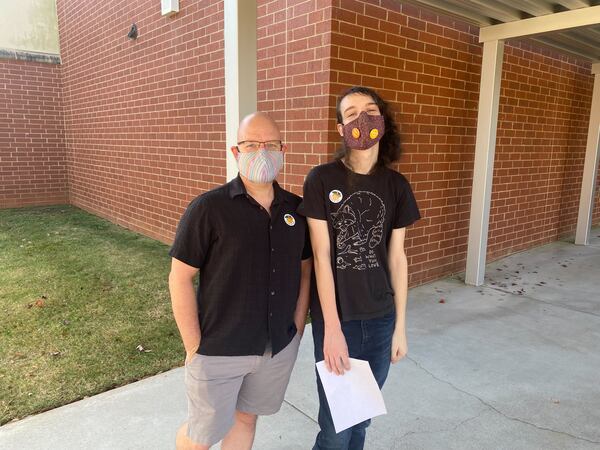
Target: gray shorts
point(217, 386)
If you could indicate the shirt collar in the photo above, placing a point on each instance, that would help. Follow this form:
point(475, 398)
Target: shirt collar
point(236, 187)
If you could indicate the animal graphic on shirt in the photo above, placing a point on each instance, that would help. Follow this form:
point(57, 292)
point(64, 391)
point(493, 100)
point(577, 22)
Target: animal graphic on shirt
point(358, 225)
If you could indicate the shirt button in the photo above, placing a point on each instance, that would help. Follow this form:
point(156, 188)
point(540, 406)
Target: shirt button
point(273, 270)
point(270, 227)
point(272, 292)
point(270, 314)
point(272, 249)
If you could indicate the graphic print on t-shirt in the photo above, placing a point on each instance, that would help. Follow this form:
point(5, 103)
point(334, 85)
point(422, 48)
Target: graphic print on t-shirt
point(358, 225)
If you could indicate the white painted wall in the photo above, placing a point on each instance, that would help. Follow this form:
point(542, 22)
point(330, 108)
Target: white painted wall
point(29, 25)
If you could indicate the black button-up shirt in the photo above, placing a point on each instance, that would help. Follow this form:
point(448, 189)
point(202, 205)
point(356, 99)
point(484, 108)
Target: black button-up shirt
point(250, 266)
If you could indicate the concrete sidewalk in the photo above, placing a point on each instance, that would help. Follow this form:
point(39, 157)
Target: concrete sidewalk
point(513, 364)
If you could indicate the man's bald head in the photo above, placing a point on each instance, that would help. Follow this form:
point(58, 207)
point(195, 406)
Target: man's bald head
point(258, 126)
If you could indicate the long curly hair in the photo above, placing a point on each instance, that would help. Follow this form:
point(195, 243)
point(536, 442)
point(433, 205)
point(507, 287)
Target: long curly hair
point(390, 147)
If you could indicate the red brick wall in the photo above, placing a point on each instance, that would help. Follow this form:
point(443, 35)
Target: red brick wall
point(145, 119)
point(542, 133)
point(294, 60)
point(428, 67)
point(32, 147)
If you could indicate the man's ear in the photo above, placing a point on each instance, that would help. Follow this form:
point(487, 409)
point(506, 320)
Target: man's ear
point(340, 129)
point(235, 151)
point(284, 148)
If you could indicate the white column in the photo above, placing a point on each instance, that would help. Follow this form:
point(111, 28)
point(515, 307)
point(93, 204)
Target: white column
point(485, 146)
point(590, 168)
point(240, 70)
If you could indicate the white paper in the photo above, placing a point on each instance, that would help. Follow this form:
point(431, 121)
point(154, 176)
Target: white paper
point(352, 397)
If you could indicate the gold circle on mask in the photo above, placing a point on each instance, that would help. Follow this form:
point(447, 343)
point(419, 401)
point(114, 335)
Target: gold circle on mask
point(355, 133)
point(374, 133)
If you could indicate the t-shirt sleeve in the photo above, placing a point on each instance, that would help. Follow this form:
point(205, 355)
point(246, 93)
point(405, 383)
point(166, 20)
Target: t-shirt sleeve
point(194, 234)
point(313, 201)
point(407, 211)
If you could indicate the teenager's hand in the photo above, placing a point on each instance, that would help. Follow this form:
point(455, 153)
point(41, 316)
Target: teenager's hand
point(335, 351)
point(399, 346)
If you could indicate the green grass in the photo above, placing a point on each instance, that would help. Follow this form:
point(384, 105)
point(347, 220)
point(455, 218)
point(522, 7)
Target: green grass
point(77, 296)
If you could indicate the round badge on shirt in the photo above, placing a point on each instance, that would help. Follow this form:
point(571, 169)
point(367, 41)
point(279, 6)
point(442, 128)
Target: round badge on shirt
point(335, 196)
point(289, 220)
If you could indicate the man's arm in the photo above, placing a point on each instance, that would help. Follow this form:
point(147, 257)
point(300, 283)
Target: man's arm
point(303, 295)
point(183, 301)
point(398, 268)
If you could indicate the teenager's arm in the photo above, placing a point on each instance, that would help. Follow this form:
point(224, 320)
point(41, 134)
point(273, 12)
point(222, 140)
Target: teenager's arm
point(183, 301)
point(398, 268)
point(335, 349)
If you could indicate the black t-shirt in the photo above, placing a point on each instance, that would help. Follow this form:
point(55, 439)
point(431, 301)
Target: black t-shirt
point(250, 266)
point(361, 212)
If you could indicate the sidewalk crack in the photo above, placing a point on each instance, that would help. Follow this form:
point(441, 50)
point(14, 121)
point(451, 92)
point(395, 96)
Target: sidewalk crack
point(493, 408)
point(454, 428)
point(300, 411)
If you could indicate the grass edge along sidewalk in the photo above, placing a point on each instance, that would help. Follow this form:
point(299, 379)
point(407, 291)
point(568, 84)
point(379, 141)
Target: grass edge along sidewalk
point(84, 307)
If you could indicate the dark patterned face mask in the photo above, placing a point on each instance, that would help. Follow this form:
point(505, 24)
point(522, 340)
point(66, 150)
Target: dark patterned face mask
point(364, 131)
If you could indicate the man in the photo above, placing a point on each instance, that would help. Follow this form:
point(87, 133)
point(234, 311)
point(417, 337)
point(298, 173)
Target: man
point(241, 329)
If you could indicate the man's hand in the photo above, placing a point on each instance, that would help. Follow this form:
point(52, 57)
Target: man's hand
point(300, 324)
point(399, 345)
point(189, 354)
point(335, 351)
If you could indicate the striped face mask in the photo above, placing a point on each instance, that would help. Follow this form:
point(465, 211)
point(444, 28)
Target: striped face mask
point(261, 166)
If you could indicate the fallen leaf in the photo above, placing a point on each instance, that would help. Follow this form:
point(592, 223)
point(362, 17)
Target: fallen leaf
point(55, 354)
point(40, 303)
point(140, 348)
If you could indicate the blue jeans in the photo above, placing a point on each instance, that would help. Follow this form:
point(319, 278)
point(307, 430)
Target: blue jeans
point(370, 340)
